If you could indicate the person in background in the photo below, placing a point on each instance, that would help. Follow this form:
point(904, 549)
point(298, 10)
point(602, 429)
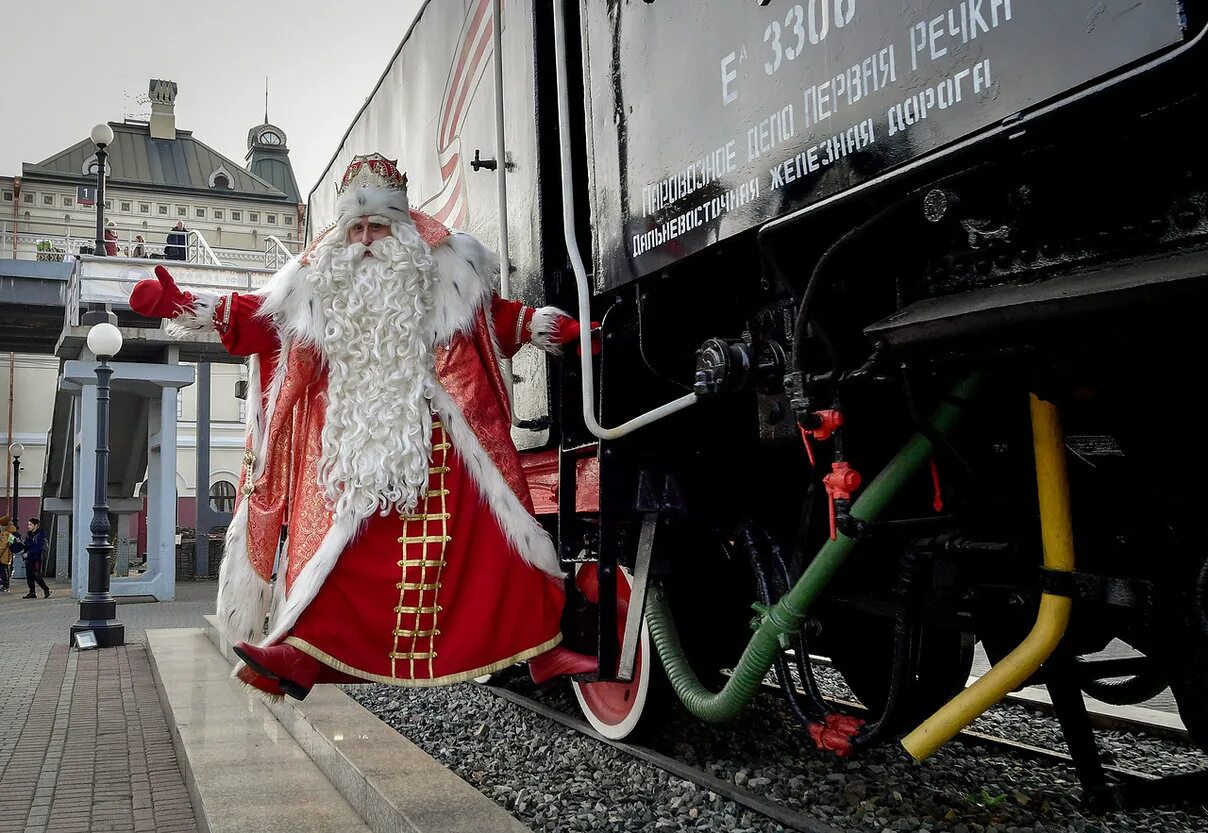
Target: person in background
point(8, 534)
point(139, 249)
point(111, 239)
point(177, 237)
point(34, 555)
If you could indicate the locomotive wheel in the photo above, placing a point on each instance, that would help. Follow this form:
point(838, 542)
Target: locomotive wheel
point(614, 709)
point(1128, 691)
point(862, 651)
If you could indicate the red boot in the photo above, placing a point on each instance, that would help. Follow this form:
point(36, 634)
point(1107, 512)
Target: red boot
point(559, 662)
point(259, 682)
point(294, 671)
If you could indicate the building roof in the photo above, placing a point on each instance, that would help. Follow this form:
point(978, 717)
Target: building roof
point(139, 161)
point(279, 172)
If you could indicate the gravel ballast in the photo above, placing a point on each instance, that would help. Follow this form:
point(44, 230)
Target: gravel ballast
point(554, 779)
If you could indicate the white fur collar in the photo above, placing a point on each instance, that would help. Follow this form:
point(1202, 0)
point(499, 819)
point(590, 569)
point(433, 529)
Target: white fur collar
point(466, 273)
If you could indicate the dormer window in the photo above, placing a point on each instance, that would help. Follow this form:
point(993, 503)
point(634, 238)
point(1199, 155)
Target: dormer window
point(220, 178)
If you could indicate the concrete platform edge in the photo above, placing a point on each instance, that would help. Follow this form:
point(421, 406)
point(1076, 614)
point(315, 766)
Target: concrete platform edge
point(379, 773)
point(186, 767)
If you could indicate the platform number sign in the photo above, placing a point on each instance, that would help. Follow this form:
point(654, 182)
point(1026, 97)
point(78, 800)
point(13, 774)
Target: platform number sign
point(86, 194)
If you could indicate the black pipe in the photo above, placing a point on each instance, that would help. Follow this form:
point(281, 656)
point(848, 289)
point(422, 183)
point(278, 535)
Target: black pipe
point(905, 645)
point(817, 704)
point(809, 712)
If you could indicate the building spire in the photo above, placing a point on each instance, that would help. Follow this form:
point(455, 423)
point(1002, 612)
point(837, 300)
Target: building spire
point(266, 99)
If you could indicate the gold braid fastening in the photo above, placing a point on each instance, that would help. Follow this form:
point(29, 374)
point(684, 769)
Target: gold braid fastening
point(249, 464)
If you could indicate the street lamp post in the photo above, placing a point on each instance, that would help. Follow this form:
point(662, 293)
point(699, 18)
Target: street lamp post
point(98, 610)
point(102, 137)
point(15, 451)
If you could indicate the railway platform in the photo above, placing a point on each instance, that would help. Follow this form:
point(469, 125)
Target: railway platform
point(322, 764)
point(154, 736)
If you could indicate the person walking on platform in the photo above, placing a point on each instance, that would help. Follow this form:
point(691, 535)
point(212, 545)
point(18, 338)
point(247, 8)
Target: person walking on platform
point(8, 533)
point(379, 435)
point(34, 555)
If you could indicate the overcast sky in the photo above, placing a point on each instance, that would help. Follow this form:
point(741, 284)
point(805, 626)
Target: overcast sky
point(68, 64)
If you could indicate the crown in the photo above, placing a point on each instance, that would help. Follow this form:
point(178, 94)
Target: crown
point(373, 171)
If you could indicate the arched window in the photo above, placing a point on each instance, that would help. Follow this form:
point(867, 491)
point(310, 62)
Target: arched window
point(222, 496)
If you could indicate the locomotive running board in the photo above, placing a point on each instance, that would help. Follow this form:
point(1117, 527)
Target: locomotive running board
point(1109, 293)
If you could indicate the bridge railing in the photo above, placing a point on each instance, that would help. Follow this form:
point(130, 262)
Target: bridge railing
point(56, 240)
point(110, 280)
point(276, 253)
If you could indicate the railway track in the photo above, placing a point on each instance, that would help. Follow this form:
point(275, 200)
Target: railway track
point(777, 811)
point(744, 797)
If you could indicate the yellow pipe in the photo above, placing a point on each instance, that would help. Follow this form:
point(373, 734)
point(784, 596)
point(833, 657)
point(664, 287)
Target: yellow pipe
point(1052, 486)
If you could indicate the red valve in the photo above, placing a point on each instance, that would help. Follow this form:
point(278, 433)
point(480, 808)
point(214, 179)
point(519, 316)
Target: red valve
point(840, 484)
point(937, 502)
point(828, 422)
point(835, 733)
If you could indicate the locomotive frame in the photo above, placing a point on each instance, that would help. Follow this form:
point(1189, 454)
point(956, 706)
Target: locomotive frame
point(1002, 311)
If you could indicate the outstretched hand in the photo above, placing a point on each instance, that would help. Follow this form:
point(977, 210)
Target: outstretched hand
point(160, 298)
point(568, 329)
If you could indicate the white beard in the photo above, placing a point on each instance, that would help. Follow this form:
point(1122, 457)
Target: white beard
point(377, 436)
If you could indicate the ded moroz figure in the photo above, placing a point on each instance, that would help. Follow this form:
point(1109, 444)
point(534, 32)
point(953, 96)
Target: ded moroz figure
point(378, 436)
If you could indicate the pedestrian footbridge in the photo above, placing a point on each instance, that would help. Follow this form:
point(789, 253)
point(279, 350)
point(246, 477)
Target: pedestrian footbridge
point(48, 307)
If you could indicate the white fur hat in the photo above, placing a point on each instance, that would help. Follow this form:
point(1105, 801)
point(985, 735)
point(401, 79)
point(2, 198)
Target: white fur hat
point(372, 185)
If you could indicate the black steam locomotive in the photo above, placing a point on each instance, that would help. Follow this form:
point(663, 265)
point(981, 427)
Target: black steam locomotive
point(900, 312)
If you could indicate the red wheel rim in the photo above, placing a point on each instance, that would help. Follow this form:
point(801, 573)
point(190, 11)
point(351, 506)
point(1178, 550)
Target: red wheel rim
point(612, 703)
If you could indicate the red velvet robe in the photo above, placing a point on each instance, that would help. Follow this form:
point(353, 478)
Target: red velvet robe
point(435, 597)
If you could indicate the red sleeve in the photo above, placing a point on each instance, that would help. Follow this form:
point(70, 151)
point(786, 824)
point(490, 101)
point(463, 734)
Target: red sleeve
point(241, 331)
point(511, 321)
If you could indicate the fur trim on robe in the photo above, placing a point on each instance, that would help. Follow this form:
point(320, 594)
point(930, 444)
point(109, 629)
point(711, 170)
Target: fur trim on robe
point(462, 289)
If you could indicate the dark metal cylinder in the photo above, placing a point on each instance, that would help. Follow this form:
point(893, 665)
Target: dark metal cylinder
point(100, 201)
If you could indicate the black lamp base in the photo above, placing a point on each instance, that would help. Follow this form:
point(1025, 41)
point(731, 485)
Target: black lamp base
point(109, 634)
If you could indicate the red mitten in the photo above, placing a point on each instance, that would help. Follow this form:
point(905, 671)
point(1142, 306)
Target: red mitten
point(567, 330)
point(160, 298)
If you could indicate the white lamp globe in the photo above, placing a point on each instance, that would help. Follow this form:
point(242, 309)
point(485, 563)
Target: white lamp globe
point(105, 340)
point(102, 134)
point(16, 449)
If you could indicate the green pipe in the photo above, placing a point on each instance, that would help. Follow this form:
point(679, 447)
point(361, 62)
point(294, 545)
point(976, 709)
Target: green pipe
point(786, 615)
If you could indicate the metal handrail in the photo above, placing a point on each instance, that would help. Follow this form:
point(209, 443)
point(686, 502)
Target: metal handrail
point(199, 250)
point(19, 237)
point(587, 377)
point(274, 250)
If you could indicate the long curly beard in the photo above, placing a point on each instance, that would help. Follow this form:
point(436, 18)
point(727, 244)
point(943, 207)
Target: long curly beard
point(377, 435)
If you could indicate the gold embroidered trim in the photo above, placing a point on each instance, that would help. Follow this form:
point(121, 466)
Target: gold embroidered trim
point(249, 468)
point(421, 562)
point(520, 326)
point(427, 516)
point(447, 679)
point(424, 539)
point(418, 585)
point(426, 584)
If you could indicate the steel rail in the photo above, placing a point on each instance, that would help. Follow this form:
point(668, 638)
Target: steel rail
point(745, 798)
point(775, 811)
